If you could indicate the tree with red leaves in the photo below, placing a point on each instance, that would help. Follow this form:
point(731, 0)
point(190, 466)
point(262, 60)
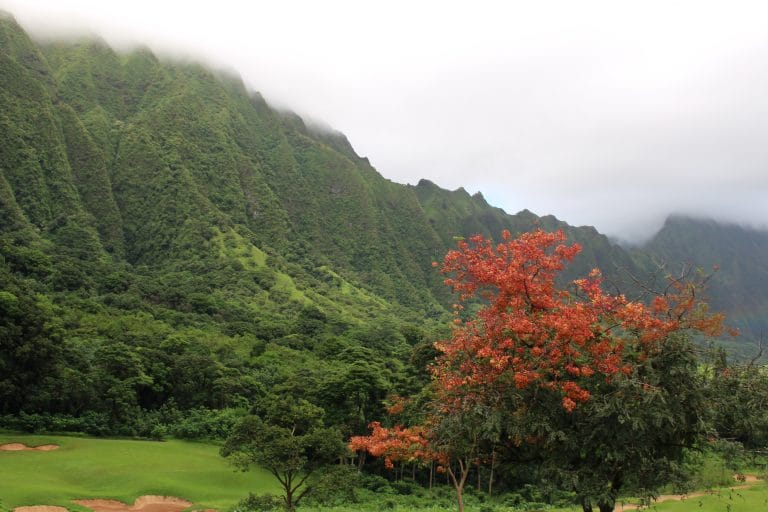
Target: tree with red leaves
point(530, 332)
point(450, 441)
point(394, 444)
point(624, 373)
point(539, 354)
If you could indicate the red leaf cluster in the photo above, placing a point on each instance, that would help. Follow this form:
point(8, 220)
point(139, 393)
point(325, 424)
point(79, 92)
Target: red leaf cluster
point(394, 444)
point(531, 332)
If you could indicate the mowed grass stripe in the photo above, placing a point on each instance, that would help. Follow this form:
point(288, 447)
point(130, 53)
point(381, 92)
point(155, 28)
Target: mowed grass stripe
point(123, 470)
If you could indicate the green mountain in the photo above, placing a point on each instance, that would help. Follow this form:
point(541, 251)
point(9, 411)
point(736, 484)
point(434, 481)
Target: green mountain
point(157, 163)
point(739, 287)
point(168, 241)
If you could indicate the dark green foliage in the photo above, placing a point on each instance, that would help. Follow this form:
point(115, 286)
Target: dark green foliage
point(15, 43)
point(336, 485)
point(89, 423)
point(30, 347)
point(11, 216)
point(259, 503)
point(738, 395)
point(90, 175)
point(203, 423)
point(633, 432)
point(32, 156)
point(288, 439)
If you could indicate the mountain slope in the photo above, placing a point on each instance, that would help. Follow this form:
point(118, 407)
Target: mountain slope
point(740, 285)
point(180, 243)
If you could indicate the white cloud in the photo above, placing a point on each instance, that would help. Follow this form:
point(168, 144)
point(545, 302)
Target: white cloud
point(607, 113)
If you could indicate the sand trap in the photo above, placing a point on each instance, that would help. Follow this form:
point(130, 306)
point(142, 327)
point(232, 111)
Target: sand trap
point(40, 508)
point(142, 504)
point(18, 447)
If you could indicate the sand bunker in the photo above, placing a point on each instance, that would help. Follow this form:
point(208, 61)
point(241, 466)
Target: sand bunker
point(17, 447)
point(40, 508)
point(142, 504)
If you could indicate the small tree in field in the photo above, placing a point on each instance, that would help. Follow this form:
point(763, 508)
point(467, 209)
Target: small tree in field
point(539, 355)
point(289, 441)
point(451, 441)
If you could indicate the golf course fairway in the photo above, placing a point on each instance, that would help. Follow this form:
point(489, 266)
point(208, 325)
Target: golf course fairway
point(86, 468)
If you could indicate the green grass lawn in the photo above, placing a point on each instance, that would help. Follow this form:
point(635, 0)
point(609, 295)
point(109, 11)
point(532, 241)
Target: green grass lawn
point(123, 470)
point(754, 498)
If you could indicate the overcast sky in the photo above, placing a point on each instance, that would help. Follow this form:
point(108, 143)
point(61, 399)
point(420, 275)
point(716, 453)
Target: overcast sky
point(613, 114)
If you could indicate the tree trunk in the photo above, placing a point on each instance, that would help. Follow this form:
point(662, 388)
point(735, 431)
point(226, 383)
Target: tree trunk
point(616, 484)
point(431, 473)
point(361, 460)
point(490, 476)
point(606, 507)
point(458, 484)
point(459, 500)
point(288, 487)
point(477, 460)
point(586, 505)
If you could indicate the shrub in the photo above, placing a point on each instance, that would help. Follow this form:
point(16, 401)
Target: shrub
point(90, 422)
point(335, 486)
point(375, 483)
point(202, 423)
point(404, 487)
point(259, 503)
